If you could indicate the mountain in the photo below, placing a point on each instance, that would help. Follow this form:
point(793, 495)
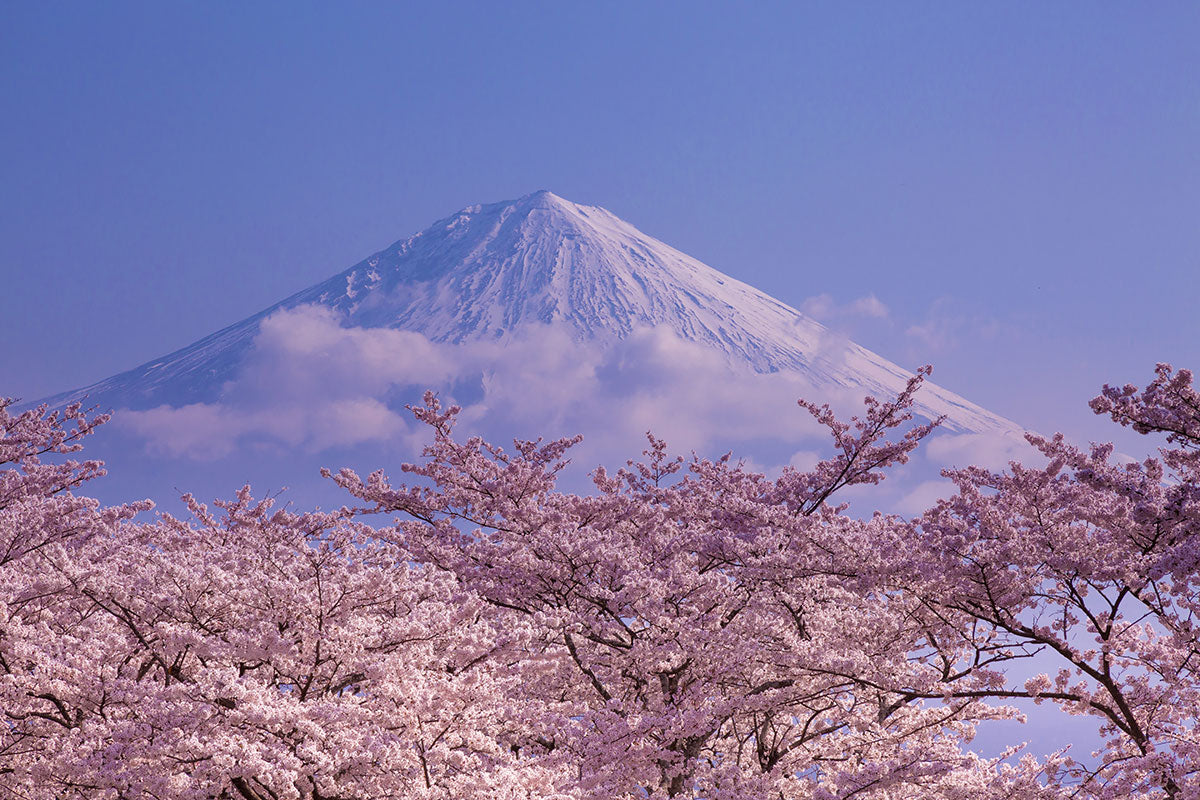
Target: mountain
point(488, 270)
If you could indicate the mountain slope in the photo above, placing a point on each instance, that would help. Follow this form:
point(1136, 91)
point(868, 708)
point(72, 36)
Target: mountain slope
point(488, 270)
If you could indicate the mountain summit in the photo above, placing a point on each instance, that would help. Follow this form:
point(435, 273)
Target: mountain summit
point(489, 270)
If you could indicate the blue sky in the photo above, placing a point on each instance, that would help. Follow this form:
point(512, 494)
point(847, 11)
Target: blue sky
point(1018, 184)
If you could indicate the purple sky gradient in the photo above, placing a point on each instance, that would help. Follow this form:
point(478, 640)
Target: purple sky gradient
point(1018, 184)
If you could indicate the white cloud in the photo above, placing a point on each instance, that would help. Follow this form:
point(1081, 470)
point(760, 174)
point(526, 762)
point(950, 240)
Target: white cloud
point(824, 308)
point(820, 307)
point(933, 336)
point(312, 383)
point(869, 306)
point(308, 383)
point(804, 460)
point(949, 323)
point(200, 430)
point(650, 381)
point(307, 350)
point(991, 450)
point(924, 496)
point(355, 420)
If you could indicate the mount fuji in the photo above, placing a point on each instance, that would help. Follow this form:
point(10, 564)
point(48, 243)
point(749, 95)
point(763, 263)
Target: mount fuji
point(488, 272)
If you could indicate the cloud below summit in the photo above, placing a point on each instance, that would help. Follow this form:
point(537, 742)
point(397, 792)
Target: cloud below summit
point(311, 382)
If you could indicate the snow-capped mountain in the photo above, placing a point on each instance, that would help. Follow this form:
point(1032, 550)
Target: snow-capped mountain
point(489, 270)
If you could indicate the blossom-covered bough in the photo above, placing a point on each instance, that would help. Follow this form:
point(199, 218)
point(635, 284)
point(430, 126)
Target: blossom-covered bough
point(690, 629)
point(1092, 564)
point(247, 653)
point(702, 632)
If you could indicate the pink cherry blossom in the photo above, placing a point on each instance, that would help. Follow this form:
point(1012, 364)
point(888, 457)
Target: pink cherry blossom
point(690, 629)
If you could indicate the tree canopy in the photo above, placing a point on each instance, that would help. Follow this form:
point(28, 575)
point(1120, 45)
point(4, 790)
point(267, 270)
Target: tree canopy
point(690, 629)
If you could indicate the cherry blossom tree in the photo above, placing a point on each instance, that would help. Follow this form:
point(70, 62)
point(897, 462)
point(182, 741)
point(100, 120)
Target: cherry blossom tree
point(1090, 566)
point(701, 631)
point(691, 629)
point(46, 644)
point(245, 653)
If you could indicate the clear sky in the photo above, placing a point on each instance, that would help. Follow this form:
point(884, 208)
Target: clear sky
point(1017, 184)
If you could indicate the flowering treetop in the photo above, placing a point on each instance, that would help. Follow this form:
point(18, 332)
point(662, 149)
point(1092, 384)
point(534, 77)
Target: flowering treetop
point(690, 629)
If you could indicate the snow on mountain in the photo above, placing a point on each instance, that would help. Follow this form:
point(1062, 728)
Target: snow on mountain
point(491, 270)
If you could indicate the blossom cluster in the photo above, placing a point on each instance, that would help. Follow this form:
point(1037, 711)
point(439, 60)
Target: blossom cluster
point(690, 629)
